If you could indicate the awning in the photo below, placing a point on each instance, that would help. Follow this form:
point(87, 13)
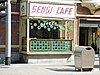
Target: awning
point(88, 25)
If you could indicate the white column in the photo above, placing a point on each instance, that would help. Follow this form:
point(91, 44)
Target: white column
point(28, 35)
point(8, 35)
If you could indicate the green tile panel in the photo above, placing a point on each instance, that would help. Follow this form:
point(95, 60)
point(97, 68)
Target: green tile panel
point(50, 45)
point(39, 45)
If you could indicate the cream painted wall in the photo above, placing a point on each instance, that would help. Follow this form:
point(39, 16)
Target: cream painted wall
point(14, 0)
point(90, 35)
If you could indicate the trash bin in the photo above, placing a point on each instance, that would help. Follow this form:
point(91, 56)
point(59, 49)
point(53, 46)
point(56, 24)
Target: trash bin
point(84, 57)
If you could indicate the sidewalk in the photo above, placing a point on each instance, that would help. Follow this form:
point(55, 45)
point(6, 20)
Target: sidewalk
point(40, 69)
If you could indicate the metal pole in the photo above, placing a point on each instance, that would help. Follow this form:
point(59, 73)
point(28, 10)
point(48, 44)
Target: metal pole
point(8, 35)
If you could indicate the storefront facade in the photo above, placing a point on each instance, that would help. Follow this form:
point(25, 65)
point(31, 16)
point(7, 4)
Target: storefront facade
point(47, 30)
point(88, 21)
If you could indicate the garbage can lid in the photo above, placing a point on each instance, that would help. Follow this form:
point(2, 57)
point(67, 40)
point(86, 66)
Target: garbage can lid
point(88, 48)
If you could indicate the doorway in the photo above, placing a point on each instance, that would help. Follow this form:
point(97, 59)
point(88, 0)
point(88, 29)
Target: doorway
point(88, 37)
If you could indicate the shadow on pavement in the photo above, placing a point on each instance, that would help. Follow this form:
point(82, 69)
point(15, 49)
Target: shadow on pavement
point(62, 69)
point(4, 66)
point(67, 68)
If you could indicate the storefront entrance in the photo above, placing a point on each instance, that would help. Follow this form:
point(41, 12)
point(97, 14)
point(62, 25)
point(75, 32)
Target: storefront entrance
point(88, 35)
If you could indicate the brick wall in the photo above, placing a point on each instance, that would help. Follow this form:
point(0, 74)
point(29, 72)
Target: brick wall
point(15, 7)
point(97, 11)
point(83, 10)
point(14, 31)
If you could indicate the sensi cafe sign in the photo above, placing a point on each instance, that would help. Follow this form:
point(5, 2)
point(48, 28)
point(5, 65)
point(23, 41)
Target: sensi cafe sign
point(49, 10)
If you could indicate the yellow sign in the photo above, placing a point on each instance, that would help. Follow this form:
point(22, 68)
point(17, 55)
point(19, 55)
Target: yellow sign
point(98, 30)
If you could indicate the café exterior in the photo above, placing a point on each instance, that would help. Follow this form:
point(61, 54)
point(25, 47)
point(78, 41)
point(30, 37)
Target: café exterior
point(46, 30)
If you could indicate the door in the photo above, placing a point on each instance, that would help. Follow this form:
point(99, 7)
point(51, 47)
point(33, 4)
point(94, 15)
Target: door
point(83, 37)
point(88, 37)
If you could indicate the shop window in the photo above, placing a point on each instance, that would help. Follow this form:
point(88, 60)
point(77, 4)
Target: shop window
point(51, 29)
point(44, 29)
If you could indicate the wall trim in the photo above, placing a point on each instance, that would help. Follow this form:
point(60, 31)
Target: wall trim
point(15, 13)
point(13, 46)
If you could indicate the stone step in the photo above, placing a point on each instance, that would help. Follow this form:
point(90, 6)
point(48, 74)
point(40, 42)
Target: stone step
point(96, 57)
